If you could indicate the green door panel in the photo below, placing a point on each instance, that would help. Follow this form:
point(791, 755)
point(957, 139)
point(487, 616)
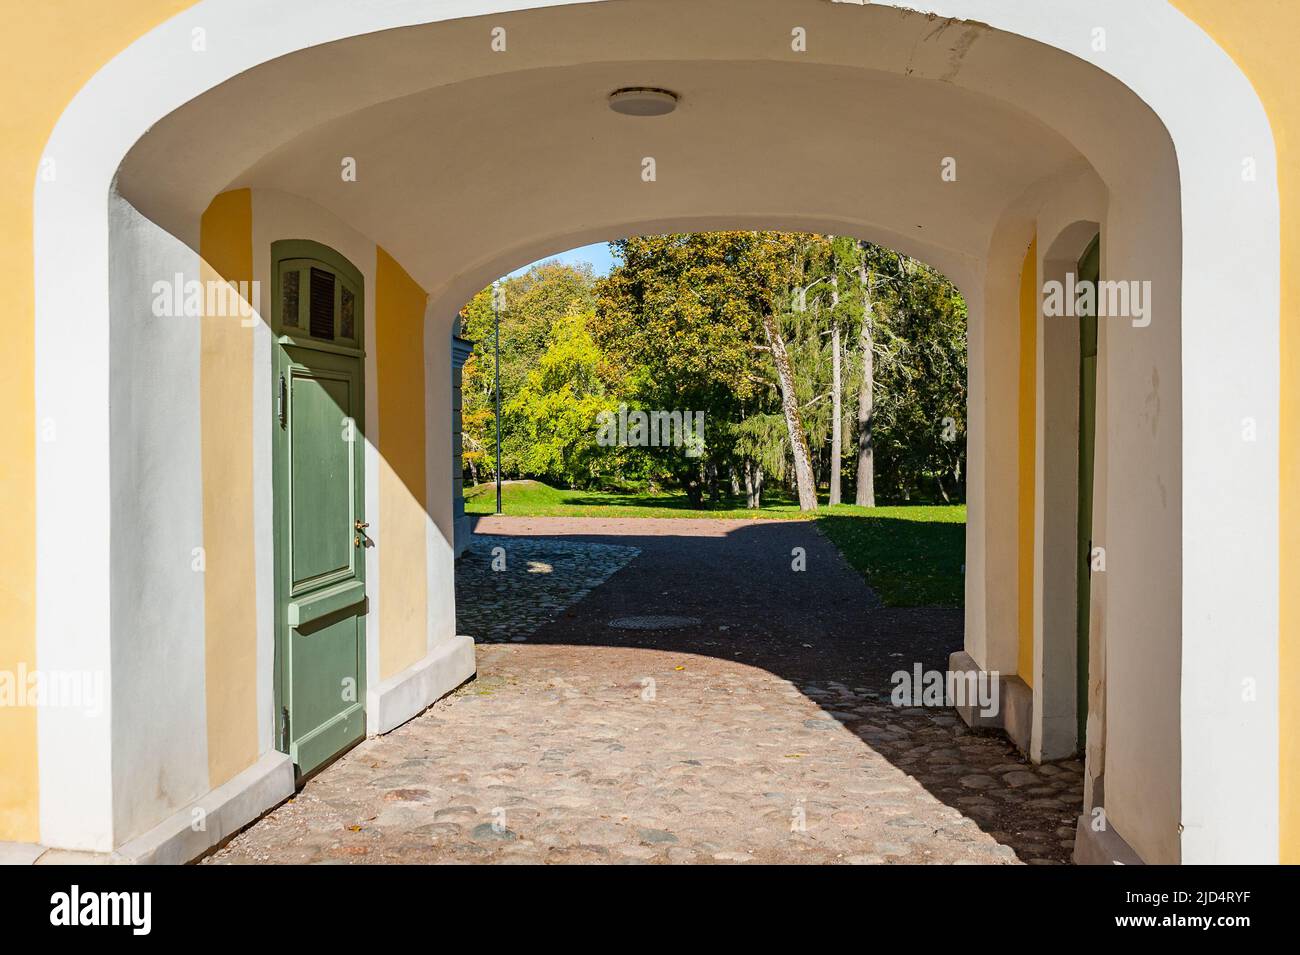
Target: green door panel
point(319, 504)
point(321, 486)
point(325, 658)
point(1089, 270)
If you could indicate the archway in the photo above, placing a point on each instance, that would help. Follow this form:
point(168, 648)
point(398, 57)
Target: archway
point(273, 117)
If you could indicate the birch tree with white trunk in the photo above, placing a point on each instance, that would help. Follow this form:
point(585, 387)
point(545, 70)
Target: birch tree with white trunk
point(837, 392)
point(805, 483)
point(866, 490)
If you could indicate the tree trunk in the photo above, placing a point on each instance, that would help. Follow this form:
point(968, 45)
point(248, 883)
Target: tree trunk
point(837, 409)
point(866, 490)
point(695, 492)
point(803, 473)
point(753, 483)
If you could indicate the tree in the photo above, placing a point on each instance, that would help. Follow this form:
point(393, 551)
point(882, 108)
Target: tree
point(534, 302)
point(837, 395)
point(912, 406)
point(761, 440)
point(844, 261)
point(678, 319)
point(865, 491)
point(699, 318)
point(559, 403)
point(790, 411)
point(754, 329)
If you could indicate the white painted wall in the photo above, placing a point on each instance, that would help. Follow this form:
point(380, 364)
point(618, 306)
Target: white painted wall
point(992, 471)
point(440, 532)
point(159, 739)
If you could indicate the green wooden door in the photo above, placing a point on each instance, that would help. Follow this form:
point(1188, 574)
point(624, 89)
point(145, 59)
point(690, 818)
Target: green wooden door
point(319, 510)
point(1089, 270)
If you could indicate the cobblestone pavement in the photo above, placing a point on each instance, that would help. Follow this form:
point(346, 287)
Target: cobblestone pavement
point(537, 580)
point(763, 732)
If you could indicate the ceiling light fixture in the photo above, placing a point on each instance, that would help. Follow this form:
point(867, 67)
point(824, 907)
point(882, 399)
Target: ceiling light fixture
point(642, 101)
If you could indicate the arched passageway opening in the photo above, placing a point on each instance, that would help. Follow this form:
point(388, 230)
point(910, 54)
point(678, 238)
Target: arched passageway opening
point(606, 578)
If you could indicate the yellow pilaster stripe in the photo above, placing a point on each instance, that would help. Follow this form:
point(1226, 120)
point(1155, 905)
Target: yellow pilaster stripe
point(1259, 36)
point(399, 365)
point(86, 33)
point(229, 587)
point(1028, 447)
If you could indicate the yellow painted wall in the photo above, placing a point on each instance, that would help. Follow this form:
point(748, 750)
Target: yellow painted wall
point(1263, 46)
point(1028, 448)
point(86, 34)
point(229, 585)
point(399, 365)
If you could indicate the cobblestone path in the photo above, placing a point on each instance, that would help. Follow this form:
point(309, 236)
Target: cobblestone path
point(538, 579)
point(760, 729)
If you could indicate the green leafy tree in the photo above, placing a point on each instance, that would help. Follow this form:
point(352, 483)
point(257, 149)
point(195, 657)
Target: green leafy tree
point(776, 337)
point(696, 321)
point(558, 405)
point(534, 302)
point(918, 425)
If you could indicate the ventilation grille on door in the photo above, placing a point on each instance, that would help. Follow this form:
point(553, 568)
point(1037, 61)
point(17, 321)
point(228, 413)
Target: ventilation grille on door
point(289, 298)
point(322, 304)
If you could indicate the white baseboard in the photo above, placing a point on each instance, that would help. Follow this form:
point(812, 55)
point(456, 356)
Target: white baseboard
point(20, 853)
point(1016, 704)
point(409, 693)
point(1105, 847)
point(213, 818)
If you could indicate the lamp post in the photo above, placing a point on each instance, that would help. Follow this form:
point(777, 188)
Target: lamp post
point(496, 376)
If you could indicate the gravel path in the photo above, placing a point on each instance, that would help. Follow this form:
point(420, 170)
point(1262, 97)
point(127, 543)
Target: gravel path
point(758, 728)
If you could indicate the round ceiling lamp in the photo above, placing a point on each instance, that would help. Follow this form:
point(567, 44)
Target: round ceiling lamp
point(642, 101)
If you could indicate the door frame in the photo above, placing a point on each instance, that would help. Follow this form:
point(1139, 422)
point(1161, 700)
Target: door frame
point(281, 362)
point(1055, 720)
point(1089, 269)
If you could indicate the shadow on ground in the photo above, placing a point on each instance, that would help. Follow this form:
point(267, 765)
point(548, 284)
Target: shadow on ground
point(819, 628)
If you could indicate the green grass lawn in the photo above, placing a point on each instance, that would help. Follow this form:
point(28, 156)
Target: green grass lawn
point(534, 499)
point(910, 555)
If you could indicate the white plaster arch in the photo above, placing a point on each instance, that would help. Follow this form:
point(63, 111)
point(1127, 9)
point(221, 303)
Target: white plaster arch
point(1226, 575)
point(448, 298)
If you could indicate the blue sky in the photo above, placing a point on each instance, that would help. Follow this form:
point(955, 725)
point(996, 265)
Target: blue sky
point(597, 254)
